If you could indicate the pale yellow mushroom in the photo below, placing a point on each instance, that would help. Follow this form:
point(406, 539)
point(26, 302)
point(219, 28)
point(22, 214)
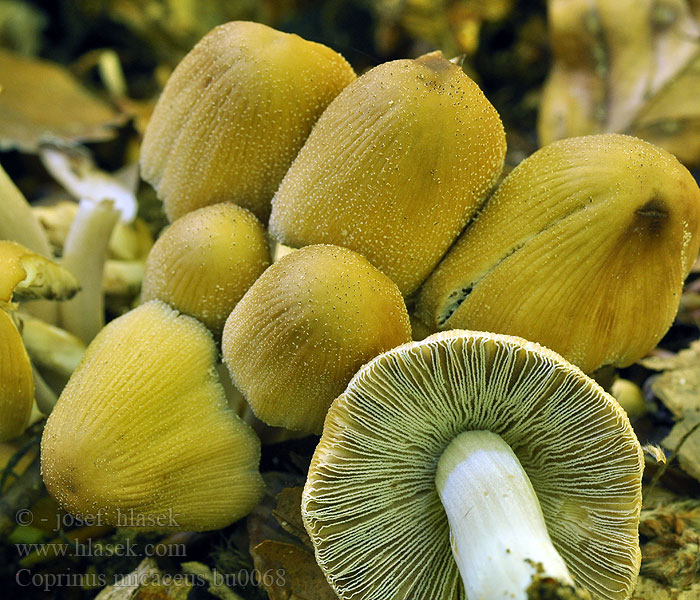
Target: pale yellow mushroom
point(583, 248)
point(234, 114)
point(205, 261)
point(304, 327)
point(394, 168)
point(142, 435)
point(16, 382)
point(25, 275)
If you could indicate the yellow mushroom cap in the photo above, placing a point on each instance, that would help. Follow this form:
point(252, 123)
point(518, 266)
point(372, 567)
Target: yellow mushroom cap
point(304, 328)
point(205, 261)
point(29, 276)
point(583, 248)
point(394, 168)
point(16, 381)
point(371, 505)
point(233, 115)
point(142, 434)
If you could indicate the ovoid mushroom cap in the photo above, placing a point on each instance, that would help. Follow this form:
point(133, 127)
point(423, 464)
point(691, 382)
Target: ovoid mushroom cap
point(142, 434)
point(16, 381)
point(205, 261)
point(583, 248)
point(233, 115)
point(394, 168)
point(370, 503)
point(304, 328)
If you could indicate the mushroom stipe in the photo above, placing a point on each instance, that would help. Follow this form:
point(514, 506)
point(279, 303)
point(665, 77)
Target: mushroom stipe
point(372, 502)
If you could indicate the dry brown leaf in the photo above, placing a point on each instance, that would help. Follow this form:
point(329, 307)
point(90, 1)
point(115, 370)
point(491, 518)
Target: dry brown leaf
point(679, 390)
point(678, 387)
point(216, 588)
point(686, 433)
point(690, 357)
point(41, 101)
point(288, 514)
point(649, 589)
point(630, 66)
point(292, 572)
point(281, 550)
point(260, 523)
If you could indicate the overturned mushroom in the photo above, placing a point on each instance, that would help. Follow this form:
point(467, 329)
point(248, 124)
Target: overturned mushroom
point(142, 434)
point(394, 168)
point(205, 261)
point(475, 455)
point(234, 114)
point(304, 327)
point(583, 248)
point(26, 275)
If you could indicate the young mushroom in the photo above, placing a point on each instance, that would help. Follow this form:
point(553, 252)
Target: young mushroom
point(394, 168)
point(142, 435)
point(474, 465)
point(205, 261)
point(234, 114)
point(304, 327)
point(583, 248)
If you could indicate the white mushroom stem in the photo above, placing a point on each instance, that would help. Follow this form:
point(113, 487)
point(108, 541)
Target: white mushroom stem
point(84, 255)
point(499, 537)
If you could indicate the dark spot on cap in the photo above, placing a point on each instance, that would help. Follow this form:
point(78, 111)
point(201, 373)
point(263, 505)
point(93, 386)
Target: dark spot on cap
point(650, 217)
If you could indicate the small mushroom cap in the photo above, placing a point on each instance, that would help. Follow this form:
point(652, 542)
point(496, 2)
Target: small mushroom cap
point(205, 261)
point(304, 328)
point(583, 248)
point(142, 433)
point(371, 505)
point(394, 168)
point(16, 381)
point(29, 276)
point(233, 115)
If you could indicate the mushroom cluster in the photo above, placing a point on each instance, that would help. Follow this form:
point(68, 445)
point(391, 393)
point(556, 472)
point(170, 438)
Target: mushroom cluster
point(471, 464)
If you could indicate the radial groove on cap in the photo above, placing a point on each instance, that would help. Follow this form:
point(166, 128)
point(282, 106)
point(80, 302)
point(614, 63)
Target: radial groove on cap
point(370, 502)
point(143, 429)
point(234, 114)
point(303, 330)
point(584, 240)
point(394, 168)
